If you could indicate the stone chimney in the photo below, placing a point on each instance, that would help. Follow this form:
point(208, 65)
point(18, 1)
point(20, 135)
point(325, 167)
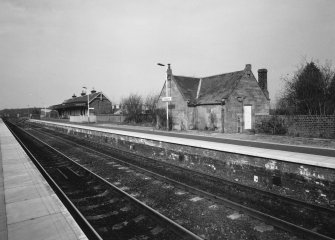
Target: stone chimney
point(93, 91)
point(169, 77)
point(169, 72)
point(74, 96)
point(83, 93)
point(247, 67)
point(263, 80)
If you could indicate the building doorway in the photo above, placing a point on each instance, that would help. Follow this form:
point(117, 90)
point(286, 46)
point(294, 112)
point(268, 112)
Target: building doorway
point(247, 117)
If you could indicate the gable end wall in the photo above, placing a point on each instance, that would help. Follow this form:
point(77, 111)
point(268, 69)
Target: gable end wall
point(101, 107)
point(177, 107)
point(247, 87)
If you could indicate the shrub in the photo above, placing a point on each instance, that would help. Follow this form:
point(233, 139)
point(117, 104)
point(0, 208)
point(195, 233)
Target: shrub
point(150, 108)
point(273, 125)
point(132, 106)
point(161, 119)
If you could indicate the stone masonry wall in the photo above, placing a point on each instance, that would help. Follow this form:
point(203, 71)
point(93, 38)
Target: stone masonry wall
point(177, 107)
point(101, 107)
point(111, 118)
point(208, 117)
point(253, 96)
point(304, 182)
point(319, 126)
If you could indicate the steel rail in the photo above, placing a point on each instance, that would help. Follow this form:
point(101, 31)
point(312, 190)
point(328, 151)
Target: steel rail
point(87, 227)
point(209, 177)
point(176, 227)
point(282, 224)
point(275, 195)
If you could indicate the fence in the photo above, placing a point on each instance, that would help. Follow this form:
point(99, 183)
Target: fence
point(318, 126)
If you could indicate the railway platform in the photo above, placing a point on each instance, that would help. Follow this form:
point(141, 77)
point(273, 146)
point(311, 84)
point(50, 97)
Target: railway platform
point(305, 155)
point(29, 208)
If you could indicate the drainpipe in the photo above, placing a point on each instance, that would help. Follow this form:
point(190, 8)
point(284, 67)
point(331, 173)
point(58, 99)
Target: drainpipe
point(241, 99)
point(223, 103)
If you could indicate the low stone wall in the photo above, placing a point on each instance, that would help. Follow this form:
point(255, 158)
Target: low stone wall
point(61, 120)
point(304, 182)
point(83, 119)
point(111, 118)
point(318, 126)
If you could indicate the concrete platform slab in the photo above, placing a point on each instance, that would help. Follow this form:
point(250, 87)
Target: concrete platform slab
point(18, 180)
point(52, 227)
point(28, 209)
point(23, 193)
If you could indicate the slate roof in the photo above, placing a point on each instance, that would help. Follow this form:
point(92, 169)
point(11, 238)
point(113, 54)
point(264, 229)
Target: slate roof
point(210, 90)
point(214, 88)
point(188, 86)
point(80, 101)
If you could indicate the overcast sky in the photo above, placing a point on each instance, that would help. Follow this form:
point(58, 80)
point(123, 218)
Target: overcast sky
point(50, 49)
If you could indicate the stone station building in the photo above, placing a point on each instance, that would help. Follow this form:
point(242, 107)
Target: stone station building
point(77, 106)
point(227, 102)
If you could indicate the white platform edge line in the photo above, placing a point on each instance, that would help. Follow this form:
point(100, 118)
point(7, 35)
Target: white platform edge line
point(294, 157)
point(3, 200)
point(73, 225)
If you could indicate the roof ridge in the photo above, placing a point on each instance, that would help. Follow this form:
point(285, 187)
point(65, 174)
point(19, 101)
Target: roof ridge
point(185, 76)
point(222, 74)
point(220, 86)
point(209, 76)
point(199, 87)
point(78, 97)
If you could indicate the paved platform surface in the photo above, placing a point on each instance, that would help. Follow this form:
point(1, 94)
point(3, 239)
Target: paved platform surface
point(221, 139)
point(321, 157)
point(29, 208)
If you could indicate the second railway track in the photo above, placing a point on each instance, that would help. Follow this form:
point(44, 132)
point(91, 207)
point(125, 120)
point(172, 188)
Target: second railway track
point(109, 212)
point(160, 172)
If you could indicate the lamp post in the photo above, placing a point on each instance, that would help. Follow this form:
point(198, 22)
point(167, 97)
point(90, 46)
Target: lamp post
point(167, 94)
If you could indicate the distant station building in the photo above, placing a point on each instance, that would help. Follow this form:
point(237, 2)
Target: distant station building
point(45, 113)
point(77, 106)
point(226, 102)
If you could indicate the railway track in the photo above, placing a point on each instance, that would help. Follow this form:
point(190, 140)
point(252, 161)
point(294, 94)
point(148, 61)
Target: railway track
point(181, 178)
point(290, 214)
point(104, 210)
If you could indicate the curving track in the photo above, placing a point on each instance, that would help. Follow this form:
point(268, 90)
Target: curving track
point(105, 211)
point(219, 190)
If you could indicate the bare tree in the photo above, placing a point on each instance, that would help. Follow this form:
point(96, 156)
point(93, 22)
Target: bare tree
point(150, 106)
point(132, 107)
